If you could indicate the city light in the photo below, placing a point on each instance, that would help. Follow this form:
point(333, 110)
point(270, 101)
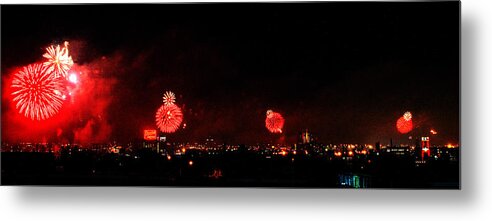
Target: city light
point(344, 154)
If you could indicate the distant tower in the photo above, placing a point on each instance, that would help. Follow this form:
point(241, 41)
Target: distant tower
point(306, 137)
point(425, 143)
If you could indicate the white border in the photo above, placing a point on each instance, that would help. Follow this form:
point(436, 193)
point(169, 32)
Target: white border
point(473, 202)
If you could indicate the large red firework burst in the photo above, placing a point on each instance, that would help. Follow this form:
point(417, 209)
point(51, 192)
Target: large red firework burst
point(168, 118)
point(274, 122)
point(59, 61)
point(38, 95)
point(404, 124)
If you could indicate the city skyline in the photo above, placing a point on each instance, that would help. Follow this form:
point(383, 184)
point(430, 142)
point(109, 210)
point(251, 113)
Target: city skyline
point(345, 78)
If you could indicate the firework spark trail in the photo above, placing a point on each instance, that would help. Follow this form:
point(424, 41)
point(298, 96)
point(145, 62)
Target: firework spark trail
point(59, 62)
point(36, 92)
point(274, 122)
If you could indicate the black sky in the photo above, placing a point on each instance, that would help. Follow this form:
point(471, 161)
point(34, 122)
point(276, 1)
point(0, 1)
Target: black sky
point(346, 71)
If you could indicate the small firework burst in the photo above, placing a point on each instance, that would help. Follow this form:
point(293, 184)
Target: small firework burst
point(404, 124)
point(407, 115)
point(37, 94)
point(59, 61)
point(274, 122)
point(433, 132)
point(168, 98)
point(168, 118)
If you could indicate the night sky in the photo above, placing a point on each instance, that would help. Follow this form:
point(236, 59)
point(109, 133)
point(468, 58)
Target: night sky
point(345, 71)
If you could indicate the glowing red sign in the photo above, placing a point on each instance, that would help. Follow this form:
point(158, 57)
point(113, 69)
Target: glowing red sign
point(150, 134)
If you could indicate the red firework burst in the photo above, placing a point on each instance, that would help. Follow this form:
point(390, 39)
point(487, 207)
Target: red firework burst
point(274, 122)
point(168, 118)
point(404, 125)
point(38, 95)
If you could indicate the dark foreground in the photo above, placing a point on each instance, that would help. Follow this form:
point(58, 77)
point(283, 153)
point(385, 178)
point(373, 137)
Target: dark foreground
point(235, 169)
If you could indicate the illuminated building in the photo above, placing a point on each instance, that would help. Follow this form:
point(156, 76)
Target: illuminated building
point(150, 135)
point(398, 151)
point(446, 153)
point(307, 137)
point(353, 181)
point(210, 142)
point(425, 145)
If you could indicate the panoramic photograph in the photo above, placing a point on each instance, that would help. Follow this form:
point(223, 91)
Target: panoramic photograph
point(289, 95)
